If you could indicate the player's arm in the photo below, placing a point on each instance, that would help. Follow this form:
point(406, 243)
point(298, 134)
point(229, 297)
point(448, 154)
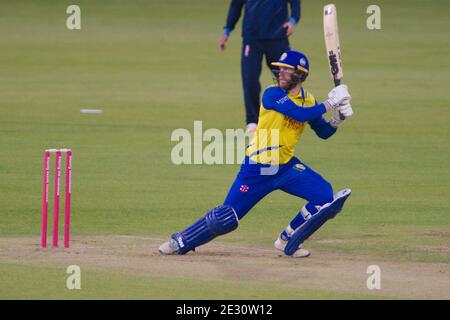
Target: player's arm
point(234, 13)
point(322, 128)
point(296, 11)
point(294, 19)
point(276, 98)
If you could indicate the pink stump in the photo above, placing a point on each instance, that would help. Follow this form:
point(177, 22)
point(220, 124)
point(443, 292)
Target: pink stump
point(45, 200)
point(67, 198)
point(56, 200)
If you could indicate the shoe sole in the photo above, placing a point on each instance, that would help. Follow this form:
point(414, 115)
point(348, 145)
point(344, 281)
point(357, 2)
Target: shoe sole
point(304, 254)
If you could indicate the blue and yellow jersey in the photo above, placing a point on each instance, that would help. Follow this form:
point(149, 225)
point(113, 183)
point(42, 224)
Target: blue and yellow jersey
point(281, 123)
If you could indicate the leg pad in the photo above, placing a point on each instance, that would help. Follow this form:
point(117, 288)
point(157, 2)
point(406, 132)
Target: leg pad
point(220, 220)
point(326, 212)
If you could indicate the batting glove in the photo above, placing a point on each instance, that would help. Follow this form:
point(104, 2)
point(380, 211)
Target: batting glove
point(346, 110)
point(341, 113)
point(338, 96)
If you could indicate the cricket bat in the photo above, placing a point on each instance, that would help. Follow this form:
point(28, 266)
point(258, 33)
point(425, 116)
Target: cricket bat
point(330, 30)
point(331, 33)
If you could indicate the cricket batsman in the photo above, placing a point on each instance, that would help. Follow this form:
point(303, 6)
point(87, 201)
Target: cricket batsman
point(270, 164)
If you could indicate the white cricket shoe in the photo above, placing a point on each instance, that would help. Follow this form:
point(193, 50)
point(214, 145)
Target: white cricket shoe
point(280, 244)
point(169, 247)
point(251, 127)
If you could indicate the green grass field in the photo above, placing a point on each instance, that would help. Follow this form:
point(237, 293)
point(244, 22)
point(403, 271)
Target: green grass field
point(154, 66)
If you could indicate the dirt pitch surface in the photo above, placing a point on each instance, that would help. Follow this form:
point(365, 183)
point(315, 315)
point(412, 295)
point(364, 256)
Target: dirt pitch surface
point(218, 261)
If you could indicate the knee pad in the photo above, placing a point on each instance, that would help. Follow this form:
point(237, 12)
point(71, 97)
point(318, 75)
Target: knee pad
point(326, 212)
point(220, 220)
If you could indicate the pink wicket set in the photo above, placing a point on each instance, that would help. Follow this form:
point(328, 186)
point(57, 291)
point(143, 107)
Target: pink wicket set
point(45, 196)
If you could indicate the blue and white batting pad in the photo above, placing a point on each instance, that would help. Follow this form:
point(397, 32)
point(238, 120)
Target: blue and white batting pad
point(326, 212)
point(220, 220)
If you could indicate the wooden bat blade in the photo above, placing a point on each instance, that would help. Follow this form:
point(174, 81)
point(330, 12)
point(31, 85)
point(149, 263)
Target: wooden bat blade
point(331, 33)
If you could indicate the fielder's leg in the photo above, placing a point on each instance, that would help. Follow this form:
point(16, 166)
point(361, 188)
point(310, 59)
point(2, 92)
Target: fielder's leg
point(251, 67)
point(274, 48)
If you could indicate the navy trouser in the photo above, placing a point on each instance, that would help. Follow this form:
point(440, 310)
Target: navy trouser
point(295, 178)
point(253, 51)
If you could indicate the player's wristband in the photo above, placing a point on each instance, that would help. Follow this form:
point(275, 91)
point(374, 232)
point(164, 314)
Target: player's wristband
point(226, 32)
point(292, 21)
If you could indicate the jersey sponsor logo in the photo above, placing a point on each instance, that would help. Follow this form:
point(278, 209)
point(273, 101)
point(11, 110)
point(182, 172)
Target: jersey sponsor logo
point(292, 123)
point(283, 100)
point(244, 188)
